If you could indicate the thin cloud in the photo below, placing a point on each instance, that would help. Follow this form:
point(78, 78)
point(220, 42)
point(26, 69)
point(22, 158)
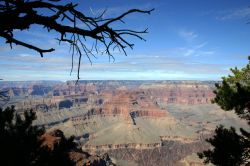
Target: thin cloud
point(194, 47)
point(200, 45)
point(194, 50)
point(133, 67)
point(235, 14)
point(118, 10)
point(187, 35)
point(25, 55)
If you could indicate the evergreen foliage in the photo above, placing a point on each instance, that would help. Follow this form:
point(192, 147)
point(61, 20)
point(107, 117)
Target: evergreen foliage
point(234, 92)
point(21, 143)
point(229, 147)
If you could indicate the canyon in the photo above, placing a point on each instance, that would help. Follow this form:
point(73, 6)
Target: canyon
point(143, 123)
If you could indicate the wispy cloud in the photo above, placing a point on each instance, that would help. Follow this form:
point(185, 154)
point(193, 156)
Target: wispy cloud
point(132, 67)
point(194, 51)
point(189, 36)
point(25, 55)
point(235, 14)
point(117, 10)
point(193, 47)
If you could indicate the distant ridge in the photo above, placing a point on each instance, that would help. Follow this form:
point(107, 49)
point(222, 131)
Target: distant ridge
point(28, 83)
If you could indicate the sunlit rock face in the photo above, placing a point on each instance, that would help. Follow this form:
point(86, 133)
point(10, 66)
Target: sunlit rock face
point(135, 122)
point(185, 92)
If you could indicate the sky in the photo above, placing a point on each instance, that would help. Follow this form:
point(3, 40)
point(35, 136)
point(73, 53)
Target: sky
point(187, 40)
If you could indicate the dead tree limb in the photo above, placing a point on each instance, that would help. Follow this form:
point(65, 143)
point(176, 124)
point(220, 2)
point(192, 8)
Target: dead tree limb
point(65, 20)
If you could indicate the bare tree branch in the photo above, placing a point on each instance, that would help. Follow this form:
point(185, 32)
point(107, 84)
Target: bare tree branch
point(10, 39)
point(66, 20)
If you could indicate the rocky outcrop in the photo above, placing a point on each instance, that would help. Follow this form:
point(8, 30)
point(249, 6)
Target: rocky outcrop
point(78, 157)
point(65, 104)
point(178, 138)
point(168, 154)
point(94, 148)
point(164, 142)
point(150, 114)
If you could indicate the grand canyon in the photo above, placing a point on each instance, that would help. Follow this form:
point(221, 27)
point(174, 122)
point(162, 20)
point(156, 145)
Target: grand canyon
point(137, 123)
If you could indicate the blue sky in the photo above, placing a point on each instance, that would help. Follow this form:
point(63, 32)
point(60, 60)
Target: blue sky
point(187, 40)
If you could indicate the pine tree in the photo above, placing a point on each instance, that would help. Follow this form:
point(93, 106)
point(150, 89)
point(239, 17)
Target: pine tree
point(21, 143)
point(231, 148)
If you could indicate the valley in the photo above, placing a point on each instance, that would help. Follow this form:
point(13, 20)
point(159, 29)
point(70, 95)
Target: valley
point(144, 123)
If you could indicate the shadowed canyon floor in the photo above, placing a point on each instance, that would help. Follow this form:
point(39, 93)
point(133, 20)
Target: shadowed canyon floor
point(142, 123)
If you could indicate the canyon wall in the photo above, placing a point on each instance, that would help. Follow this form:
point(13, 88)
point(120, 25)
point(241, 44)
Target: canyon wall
point(125, 119)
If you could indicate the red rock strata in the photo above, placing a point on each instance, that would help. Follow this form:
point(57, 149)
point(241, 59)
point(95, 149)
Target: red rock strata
point(181, 93)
